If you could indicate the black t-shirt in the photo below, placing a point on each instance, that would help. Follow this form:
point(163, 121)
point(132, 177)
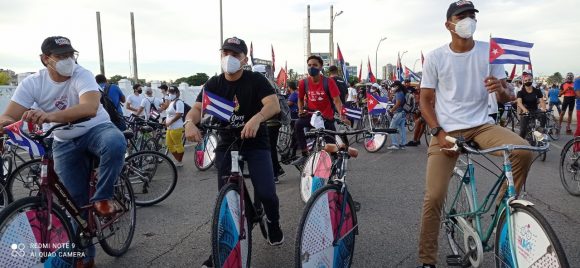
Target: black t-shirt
point(247, 94)
point(530, 100)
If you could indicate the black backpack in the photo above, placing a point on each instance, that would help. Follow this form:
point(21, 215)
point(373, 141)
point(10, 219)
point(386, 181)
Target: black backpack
point(284, 115)
point(326, 89)
point(342, 88)
point(110, 106)
point(154, 113)
point(186, 108)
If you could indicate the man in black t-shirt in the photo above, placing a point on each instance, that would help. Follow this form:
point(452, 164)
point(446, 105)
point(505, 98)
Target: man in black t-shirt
point(255, 102)
point(340, 83)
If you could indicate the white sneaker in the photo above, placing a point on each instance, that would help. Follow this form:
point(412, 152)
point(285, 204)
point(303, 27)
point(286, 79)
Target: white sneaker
point(393, 147)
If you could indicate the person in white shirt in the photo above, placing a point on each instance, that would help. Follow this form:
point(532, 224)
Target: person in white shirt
point(351, 98)
point(174, 123)
point(65, 92)
point(134, 101)
point(457, 79)
point(164, 102)
point(148, 104)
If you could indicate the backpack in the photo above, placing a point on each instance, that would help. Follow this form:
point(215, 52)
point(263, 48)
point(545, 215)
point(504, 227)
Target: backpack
point(284, 115)
point(325, 87)
point(409, 106)
point(342, 88)
point(109, 106)
point(186, 108)
point(154, 113)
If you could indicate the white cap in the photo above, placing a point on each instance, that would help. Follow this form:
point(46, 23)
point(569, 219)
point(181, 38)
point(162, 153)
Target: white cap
point(376, 85)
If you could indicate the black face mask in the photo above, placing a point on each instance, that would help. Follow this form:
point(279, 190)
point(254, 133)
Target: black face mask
point(139, 91)
point(528, 84)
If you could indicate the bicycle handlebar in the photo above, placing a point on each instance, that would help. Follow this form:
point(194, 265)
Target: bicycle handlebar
point(460, 143)
point(352, 132)
point(40, 137)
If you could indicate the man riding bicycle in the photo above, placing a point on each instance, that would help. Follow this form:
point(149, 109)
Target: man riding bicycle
point(65, 92)
point(255, 102)
point(322, 95)
point(457, 79)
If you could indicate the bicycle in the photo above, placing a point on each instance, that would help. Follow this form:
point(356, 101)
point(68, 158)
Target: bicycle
point(204, 156)
point(234, 216)
point(552, 128)
point(534, 123)
point(410, 121)
point(523, 237)
point(511, 116)
point(569, 166)
point(39, 231)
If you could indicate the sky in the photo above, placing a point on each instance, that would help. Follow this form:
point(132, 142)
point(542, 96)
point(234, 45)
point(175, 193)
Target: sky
point(178, 38)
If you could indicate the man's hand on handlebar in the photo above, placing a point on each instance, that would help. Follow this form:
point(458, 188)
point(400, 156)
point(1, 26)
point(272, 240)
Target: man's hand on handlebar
point(250, 129)
point(192, 133)
point(36, 117)
point(446, 146)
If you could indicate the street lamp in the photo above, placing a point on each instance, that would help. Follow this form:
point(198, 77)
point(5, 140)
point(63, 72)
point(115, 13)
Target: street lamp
point(332, 18)
point(377, 54)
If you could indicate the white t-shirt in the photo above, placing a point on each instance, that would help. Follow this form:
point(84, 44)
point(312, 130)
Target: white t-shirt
point(171, 113)
point(51, 96)
point(458, 79)
point(135, 102)
point(492, 104)
point(351, 94)
point(146, 104)
point(164, 112)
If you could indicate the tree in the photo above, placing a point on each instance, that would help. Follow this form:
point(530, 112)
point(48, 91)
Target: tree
point(292, 75)
point(556, 78)
point(115, 79)
point(194, 80)
point(4, 78)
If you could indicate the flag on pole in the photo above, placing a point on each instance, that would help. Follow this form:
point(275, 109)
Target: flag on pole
point(342, 63)
point(13, 131)
point(252, 53)
point(376, 104)
point(281, 79)
point(411, 75)
point(360, 72)
point(507, 51)
point(371, 77)
point(273, 61)
point(217, 106)
point(513, 74)
point(399, 68)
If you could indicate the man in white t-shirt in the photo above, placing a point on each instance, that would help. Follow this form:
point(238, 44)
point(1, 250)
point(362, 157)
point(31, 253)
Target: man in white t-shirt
point(149, 103)
point(66, 92)
point(174, 123)
point(457, 80)
point(134, 101)
point(164, 102)
point(352, 94)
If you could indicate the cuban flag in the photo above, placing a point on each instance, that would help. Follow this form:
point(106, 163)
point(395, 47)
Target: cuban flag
point(371, 77)
point(507, 51)
point(376, 104)
point(217, 106)
point(13, 131)
point(352, 112)
point(342, 65)
point(412, 75)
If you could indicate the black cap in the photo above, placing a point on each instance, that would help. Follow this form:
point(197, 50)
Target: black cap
point(56, 45)
point(235, 44)
point(460, 7)
point(173, 89)
point(164, 87)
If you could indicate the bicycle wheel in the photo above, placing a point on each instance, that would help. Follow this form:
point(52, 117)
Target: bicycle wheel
point(458, 201)
point(315, 174)
point(24, 181)
point(229, 249)
point(570, 167)
point(317, 230)
point(410, 122)
point(6, 165)
point(537, 244)
point(4, 201)
point(153, 176)
point(551, 126)
point(25, 240)
point(204, 156)
point(116, 238)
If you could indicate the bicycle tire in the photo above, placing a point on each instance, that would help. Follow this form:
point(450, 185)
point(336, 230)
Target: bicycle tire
point(410, 122)
point(24, 181)
point(144, 168)
point(314, 174)
point(4, 201)
point(123, 194)
point(572, 169)
point(375, 142)
point(227, 249)
point(464, 204)
point(6, 166)
point(20, 226)
point(315, 234)
point(207, 152)
point(528, 223)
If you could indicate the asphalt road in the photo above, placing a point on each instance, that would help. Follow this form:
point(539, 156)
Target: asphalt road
point(388, 184)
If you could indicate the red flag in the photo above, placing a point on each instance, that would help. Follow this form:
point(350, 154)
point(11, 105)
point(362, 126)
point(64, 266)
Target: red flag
point(513, 74)
point(273, 61)
point(371, 76)
point(422, 58)
point(360, 72)
point(281, 79)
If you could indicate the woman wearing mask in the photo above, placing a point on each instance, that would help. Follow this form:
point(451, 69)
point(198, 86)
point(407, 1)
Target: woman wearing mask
point(528, 99)
point(174, 124)
point(398, 121)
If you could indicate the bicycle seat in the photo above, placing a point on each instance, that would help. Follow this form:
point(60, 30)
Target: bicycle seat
point(146, 129)
point(128, 134)
point(333, 148)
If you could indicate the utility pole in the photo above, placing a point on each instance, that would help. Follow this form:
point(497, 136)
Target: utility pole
point(99, 36)
point(135, 76)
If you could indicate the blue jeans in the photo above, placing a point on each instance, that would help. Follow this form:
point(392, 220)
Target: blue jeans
point(262, 175)
point(398, 122)
point(72, 163)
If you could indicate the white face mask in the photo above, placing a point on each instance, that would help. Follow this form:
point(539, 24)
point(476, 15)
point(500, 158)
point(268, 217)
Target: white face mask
point(65, 67)
point(171, 96)
point(231, 64)
point(465, 28)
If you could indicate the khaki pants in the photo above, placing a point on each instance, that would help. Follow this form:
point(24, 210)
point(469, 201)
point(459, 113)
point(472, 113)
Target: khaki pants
point(440, 169)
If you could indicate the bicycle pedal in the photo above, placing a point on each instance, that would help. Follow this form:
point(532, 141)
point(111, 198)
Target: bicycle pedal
point(454, 260)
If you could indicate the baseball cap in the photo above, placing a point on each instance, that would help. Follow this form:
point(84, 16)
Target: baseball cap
point(235, 44)
point(163, 87)
point(460, 7)
point(173, 89)
point(56, 45)
point(375, 85)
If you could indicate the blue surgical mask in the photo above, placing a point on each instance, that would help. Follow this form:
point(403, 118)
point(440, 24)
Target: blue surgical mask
point(313, 71)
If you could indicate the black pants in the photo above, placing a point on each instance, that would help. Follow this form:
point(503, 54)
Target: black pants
point(273, 132)
point(302, 125)
point(525, 121)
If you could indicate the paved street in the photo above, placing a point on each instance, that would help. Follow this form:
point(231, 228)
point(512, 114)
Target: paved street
point(388, 184)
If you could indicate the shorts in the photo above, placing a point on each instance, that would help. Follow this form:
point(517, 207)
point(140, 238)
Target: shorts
point(569, 102)
point(174, 140)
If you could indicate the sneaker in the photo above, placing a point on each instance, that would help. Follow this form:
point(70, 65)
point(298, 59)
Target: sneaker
point(413, 143)
point(276, 180)
point(393, 147)
point(281, 172)
point(300, 161)
point(207, 263)
point(274, 232)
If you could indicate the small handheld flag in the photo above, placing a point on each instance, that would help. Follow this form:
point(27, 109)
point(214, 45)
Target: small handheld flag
point(217, 106)
point(13, 131)
point(507, 51)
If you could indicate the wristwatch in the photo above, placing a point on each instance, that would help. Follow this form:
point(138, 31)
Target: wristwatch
point(434, 131)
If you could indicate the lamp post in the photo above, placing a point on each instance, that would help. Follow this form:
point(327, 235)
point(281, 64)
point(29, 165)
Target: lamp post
point(377, 55)
point(332, 18)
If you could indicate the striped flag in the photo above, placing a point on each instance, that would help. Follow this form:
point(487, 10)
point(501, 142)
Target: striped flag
point(412, 75)
point(13, 131)
point(376, 104)
point(352, 112)
point(342, 63)
point(217, 106)
point(507, 51)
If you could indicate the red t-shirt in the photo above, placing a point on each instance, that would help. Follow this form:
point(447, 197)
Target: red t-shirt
point(317, 98)
point(568, 89)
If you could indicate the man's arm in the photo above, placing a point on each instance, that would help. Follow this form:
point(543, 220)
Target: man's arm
point(338, 104)
point(504, 94)
point(271, 107)
point(13, 113)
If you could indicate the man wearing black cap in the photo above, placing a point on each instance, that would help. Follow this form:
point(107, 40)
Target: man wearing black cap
point(65, 92)
point(455, 87)
point(255, 102)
